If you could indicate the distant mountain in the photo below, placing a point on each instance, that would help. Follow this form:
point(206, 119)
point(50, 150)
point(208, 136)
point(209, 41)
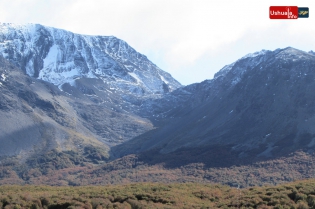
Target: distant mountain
point(260, 106)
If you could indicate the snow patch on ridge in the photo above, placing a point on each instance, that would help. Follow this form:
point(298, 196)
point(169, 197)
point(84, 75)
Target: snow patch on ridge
point(163, 79)
point(255, 54)
point(135, 77)
point(52, 73)
point(60, 78)
point(30, 68)
point(51, 58)
point(3, 77)
point(253, 60)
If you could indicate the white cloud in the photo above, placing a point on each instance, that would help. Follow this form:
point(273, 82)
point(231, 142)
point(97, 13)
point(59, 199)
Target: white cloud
point(190, 39)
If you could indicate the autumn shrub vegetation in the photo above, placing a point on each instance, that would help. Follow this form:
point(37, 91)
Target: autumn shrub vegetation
point(295, 195)
point(92, 167)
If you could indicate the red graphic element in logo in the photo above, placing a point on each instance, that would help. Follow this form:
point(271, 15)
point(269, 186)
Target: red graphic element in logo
point(283, 12)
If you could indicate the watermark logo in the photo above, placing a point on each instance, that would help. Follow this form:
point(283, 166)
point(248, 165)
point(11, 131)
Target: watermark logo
point(283, 12)
point(303, 12)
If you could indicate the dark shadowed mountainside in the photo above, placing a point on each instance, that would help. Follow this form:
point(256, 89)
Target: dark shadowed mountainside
point(261, 106)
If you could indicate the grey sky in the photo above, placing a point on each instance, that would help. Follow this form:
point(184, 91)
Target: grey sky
point(189, 39)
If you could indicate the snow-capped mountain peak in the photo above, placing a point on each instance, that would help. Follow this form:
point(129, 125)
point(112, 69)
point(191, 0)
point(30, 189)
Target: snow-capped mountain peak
point(253, 59)
point(59, 56)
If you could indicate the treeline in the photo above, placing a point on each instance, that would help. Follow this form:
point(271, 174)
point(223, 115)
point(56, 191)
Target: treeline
point(93, 168)
point(296, 195)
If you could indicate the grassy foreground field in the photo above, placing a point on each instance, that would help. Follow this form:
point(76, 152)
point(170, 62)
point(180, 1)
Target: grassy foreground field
point(300, 195)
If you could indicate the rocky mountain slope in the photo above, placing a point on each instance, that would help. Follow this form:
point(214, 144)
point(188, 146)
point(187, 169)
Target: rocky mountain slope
point(259, 106)
point(37, 117)
point(66, 91)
